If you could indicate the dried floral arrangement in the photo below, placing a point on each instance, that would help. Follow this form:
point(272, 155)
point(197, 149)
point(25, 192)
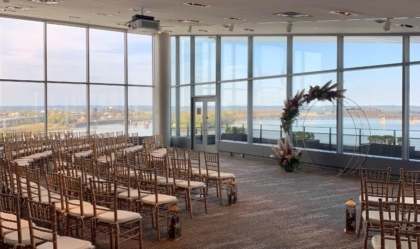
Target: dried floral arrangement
point(288, 157)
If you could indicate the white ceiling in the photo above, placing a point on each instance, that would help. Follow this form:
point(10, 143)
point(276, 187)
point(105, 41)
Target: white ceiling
point(258, 14)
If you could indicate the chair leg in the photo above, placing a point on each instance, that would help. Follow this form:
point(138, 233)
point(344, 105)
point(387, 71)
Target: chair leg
point(205, 200)
point(367, 225)
point(359, 229)
point(219, 183)
point(117, 236)
point(94, 233)
point(188, 197)
point(111, 237)
point(140, 236)
point(157, 222)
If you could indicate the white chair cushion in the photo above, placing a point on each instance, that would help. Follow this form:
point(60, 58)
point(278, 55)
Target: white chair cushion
point(67, 243)
point(13, 225)
point(193, 184)
point(12, 238)
point(72, 204)
point(162, 199)
point(373, 198)
point(134, 194)
point(374, 216)
point(45, 199)
point(29, 160)
point(87, 210)
point(123, 216)
point(204, 172)
point(222, 175)
point(162, 181)
point(390, 243)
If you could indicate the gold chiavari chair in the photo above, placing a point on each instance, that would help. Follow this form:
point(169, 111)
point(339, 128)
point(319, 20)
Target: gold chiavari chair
point(155, 204)
point(116, 223)
point(214, 177)
point(43, 229)
point(183, 185)
point(370, 174)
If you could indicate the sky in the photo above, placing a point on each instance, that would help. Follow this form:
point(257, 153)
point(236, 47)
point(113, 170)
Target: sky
point(382, 86)
point(22, 58)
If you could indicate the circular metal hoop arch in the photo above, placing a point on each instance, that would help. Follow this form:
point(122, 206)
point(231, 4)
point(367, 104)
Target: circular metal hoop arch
point(356, 117)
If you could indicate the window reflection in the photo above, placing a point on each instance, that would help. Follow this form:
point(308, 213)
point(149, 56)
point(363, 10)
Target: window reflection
point(415, 48)
point(414, 112)
point(67, 107)
point(234, 111)
point(140, 111)
point(362, 51)
point(378, 92)
point(20, 59)
point(269, 55)
point(106, 108)
point(106, 56)
point(185, 110)
point(140, 56)
point(316, 126)
point(185, 60)
point(21, 107)
point(268, 99)
point(205, 59)
point(311, 53)
point(234, 58)
point(66, 51)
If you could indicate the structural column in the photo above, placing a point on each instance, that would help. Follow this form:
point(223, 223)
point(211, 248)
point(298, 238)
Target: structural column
point(162, 91)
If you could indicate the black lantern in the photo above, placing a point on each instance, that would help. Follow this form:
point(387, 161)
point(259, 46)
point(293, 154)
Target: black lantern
point(174, 223)
point(350, 216)
point(232, 192)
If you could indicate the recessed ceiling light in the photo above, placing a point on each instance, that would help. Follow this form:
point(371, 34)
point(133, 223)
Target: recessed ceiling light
point(407, 26)
point(343, 13)
point(14, 8)
point(291, 14)
point(197, 4)
point(45, 1)
point(250, 30)
point(102, 14)
point(235, 18)
point(202, 30)
point(188, 21)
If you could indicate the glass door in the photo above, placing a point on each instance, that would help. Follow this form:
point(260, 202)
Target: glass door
point(204, 124)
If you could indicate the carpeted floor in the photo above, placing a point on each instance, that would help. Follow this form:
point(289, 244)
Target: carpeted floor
point(276, 209)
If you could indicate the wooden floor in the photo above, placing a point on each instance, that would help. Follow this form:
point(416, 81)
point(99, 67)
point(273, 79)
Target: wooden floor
point(276, 209)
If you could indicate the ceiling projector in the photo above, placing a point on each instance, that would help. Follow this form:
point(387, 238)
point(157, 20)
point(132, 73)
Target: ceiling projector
point(143, 24)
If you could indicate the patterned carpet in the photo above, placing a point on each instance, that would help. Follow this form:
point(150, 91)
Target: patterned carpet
point(275, 210)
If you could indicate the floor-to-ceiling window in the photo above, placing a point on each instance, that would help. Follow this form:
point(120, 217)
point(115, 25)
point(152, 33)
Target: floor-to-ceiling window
point(269, 59)
point(22, 104)
point(234, 101)
point(370, 68)
point(414, 133)
point(375, 125)
point(316, 125)
point(57, 74)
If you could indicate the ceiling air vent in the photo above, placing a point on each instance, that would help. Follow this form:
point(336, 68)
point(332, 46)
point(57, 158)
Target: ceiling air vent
point(197, 4)
point(291, 14)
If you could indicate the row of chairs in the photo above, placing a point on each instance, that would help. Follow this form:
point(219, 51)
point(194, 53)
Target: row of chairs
point(404, 194)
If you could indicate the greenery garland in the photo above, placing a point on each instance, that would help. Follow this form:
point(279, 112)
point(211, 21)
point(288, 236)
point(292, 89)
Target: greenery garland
point(292, 105)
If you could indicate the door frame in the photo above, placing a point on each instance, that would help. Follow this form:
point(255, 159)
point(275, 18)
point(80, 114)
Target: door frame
point(203, 98)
